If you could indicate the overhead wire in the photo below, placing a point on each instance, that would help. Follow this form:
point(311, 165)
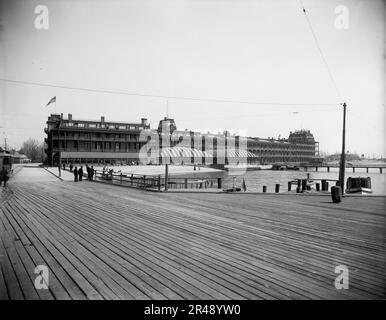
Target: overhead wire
point(117, 92)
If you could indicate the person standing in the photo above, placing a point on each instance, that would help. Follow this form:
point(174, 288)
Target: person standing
point(92, 171)
point(80, 173)
point(71, 167)
point(88, 171)
point(75, 174)
point(3, 176)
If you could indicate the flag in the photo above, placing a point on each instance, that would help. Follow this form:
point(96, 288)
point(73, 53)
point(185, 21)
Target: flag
point(51, 101)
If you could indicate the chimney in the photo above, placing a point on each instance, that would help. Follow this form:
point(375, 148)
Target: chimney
point(102, 119)
point(144, 121)
point(70, 117)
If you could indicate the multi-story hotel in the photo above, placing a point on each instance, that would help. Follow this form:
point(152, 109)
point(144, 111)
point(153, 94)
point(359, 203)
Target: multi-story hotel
point(71, 141)
point(84, 141)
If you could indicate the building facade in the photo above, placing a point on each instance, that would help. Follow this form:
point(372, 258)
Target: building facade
point(80, 141)
point(298, 148)
point(84, 141)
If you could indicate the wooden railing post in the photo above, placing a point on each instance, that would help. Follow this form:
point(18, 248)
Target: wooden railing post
point(166, 177)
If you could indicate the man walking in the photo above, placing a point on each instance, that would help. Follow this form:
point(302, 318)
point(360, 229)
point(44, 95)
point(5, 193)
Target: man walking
point(3, 176)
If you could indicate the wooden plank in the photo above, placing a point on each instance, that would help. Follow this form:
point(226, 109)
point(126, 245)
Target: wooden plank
point(58, 275)
point(3, 287)
point(11, 281)
point(209, 245)
point(125, 263)
point(65, 259)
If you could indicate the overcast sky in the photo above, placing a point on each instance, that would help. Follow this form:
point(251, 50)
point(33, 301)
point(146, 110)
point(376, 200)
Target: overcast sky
point(259, 51)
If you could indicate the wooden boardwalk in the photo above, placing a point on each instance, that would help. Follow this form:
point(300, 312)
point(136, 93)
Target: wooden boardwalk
point(107, 242)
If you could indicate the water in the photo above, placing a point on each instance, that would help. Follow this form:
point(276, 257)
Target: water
point(256, 179)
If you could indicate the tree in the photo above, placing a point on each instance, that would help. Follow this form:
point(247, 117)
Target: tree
point(33, 149)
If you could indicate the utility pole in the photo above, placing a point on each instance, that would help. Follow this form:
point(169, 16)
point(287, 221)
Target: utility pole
point(342, 166)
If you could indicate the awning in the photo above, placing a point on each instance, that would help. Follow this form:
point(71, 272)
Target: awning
point(183, 152)
point(232, 153)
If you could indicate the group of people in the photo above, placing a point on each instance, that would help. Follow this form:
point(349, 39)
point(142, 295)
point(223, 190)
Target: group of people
point(78, 173)
point(3, 176)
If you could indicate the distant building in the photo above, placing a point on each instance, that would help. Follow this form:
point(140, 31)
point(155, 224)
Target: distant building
point(86, 141)
point(299, 147)
point(349, 157)
point(20, 158)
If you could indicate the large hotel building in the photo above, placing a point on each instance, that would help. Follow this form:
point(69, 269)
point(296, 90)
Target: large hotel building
point(100, 141)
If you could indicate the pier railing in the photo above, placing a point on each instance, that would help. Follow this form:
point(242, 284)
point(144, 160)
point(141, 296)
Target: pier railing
point(157, 182)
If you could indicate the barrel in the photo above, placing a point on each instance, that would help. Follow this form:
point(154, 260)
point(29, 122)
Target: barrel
point(289, 185)
point(277, 188)
point(317, 186)
point(324, 185)
point(299, 183)
point(219, 183)
point(298, 189)
point(264, 188)
point(336, 194)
